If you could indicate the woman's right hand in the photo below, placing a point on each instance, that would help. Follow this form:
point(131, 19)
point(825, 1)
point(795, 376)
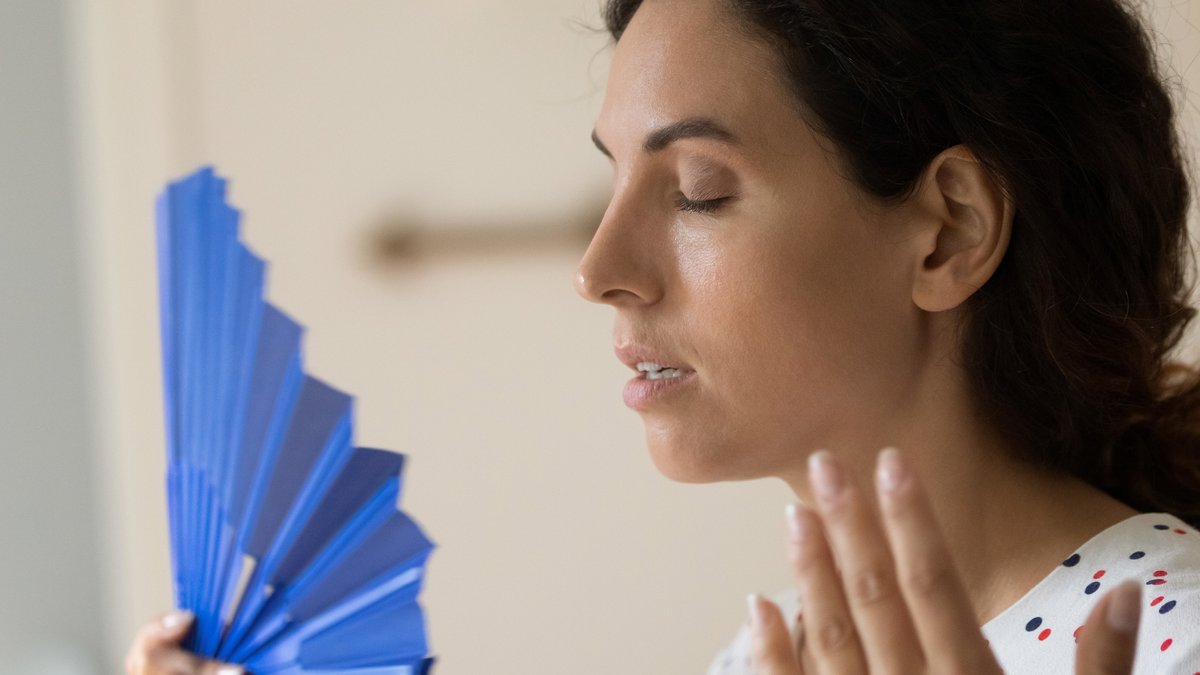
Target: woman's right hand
point(156, 651)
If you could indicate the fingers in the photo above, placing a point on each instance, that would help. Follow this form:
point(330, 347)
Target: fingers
point(770, 642)
point(1108, 641)
point(155, 650)
point(889, 640)
point(941, 611)
point(167, 630)
point(830, 634)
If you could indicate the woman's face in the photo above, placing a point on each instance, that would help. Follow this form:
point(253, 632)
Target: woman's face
point(786, 291)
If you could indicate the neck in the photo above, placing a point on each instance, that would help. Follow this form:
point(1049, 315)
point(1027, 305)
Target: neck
point(1006, 524)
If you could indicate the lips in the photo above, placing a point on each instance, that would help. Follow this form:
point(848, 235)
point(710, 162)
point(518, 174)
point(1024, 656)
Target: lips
point(633, 353)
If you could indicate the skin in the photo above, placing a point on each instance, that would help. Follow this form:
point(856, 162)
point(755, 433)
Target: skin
point(898, 607)
point(814, 316)
point(155, 650)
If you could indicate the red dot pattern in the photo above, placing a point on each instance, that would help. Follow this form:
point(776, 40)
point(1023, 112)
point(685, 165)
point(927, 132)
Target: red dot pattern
point(1156, 578)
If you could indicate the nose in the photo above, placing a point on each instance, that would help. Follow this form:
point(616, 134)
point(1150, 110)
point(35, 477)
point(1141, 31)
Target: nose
point(623, 264)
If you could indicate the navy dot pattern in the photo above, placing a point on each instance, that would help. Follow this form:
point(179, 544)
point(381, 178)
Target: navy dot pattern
point(1040, 632)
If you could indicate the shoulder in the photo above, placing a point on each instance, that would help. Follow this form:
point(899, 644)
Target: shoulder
point(1162, 553)
point(1169, 631)
point(1159, 551)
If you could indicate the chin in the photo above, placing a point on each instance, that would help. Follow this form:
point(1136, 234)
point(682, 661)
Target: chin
point(690, 455)
point(685, 459)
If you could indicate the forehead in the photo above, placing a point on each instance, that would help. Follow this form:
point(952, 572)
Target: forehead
point(691, 58)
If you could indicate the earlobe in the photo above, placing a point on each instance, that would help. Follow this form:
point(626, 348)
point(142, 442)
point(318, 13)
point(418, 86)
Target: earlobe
point(966, 223)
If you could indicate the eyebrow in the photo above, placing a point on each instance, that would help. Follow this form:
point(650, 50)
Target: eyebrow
point(690, 127)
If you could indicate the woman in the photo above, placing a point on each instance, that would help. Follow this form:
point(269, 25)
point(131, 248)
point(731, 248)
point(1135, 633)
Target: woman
point(955, 228)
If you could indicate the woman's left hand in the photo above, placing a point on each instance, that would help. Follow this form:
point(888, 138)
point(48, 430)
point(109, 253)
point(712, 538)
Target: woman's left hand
point(898, 604)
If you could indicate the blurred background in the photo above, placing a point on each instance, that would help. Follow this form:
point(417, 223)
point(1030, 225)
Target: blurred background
point(420, 178)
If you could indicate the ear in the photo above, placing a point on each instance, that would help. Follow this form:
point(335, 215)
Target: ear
point(965, 222)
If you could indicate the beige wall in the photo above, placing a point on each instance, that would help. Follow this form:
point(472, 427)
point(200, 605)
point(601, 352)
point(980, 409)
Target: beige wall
point(561, 549)
point(1177, 33)
point(559, 543)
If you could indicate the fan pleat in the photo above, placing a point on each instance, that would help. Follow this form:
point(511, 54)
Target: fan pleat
point(287, 540)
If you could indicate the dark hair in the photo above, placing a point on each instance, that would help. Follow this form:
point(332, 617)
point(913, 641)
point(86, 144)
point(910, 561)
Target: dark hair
point(1067, 345)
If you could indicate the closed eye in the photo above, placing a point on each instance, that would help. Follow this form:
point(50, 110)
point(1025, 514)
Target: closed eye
point(699, 206)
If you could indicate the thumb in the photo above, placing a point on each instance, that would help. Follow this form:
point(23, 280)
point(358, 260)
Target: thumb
point(164, 633)
point(171, 627)
point(1108, 641)
point(156, 650)
point(770, 642)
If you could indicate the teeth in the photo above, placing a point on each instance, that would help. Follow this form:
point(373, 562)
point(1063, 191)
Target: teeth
point(664, 374)
point(655, 371)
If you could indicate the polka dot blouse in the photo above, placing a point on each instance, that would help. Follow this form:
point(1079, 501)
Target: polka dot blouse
point(1037, 634)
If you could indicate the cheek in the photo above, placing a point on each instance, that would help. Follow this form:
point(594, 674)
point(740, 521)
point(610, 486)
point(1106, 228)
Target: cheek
point(752, 314)
point(794, 326)
point(774, 299)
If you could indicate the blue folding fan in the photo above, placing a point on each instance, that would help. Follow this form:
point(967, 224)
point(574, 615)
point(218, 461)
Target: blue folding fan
point(287, 542)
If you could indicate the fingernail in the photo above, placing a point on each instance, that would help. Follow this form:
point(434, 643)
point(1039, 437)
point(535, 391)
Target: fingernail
point(755, 612)
point(798, 526)
point(1124, 609)
point(891, 472)
point(231, 670)
point(827, 475)
point(176, 619)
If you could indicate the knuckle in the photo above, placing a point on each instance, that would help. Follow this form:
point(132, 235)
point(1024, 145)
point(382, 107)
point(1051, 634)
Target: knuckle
point(926, 579)
point(870, 587)
point(832, 635)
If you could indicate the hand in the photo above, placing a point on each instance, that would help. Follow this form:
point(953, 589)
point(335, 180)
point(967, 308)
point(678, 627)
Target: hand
point(156, 651)
point(898, 604)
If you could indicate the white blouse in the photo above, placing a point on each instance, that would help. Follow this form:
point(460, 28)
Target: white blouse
point(1037, 634)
